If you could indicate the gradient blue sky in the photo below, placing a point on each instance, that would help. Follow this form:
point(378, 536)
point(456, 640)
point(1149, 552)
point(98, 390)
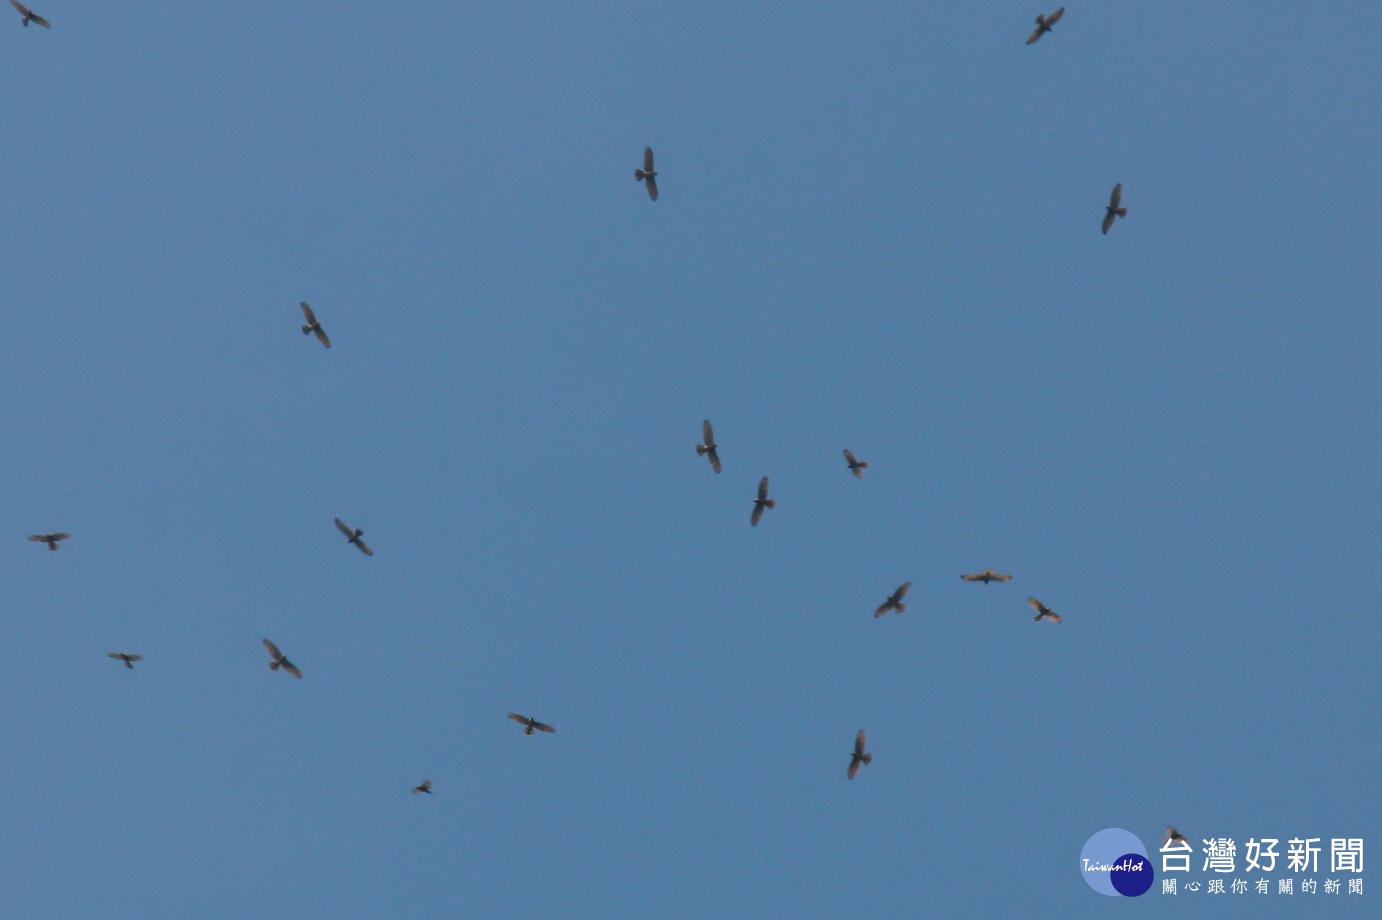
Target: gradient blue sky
point(878, 229)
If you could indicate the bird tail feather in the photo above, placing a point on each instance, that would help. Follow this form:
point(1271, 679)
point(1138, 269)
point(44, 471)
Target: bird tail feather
point(273, 665)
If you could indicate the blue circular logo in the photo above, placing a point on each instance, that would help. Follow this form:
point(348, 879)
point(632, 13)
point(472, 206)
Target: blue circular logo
point(1114, 862)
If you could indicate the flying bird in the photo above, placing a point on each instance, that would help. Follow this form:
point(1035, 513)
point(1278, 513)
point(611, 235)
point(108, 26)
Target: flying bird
point(281, 660)
point(1043, 612)
point(313, 324)
point(859, 756)
point(529, 725)
point(127, 659)
point(1114, 200)
point(709, 448)
point(29, 15)
point(856, 466)
point(1044, 24)
point(894, 601)
point(424, 786)
point(1173, 836)
point(986, 576)
point(761, 502)
point(647, 173)
point(353, 536)
point(52, 539)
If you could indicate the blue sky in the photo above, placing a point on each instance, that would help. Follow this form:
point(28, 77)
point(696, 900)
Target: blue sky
point(879, 230)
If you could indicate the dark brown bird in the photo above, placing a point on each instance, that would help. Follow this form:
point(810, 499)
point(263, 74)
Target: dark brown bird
point(1044, 24)
point(856, 466)
point(894, 601)
point(353, 536)
point(529, 725)
point(1043, 612)
point(1113, 209)
point(424, 786)
point(281, 660)
point(709, 448)
point(51, 539)
point(29, 15)
point(313, 325)
point(761, 502)
point(986, 576)
point(859, 756)
point(1174, 836)
point(647, 173)
point(127, 659)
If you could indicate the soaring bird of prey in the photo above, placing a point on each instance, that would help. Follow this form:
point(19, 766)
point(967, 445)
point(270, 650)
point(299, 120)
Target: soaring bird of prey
point(647, 174)
point(1174, 836)
point(129, 660)
point(29, 15)
point(1114, 200)
point(894, 601)
point(424, 786)
point(986, 576)
point(761, 502)
point(856, 466)
point(1044, 24)
point(530, 725)
point(52, 539)
point(859, 756)
point(1043, 612)
point(281, 660)
point(709, 448)
point(353, 536)
point(313, 324)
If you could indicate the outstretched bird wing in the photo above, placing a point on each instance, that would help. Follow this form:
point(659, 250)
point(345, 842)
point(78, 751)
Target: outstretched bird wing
point(344, 528)
point(291, 668)
point(648, 159)
point(273, 650)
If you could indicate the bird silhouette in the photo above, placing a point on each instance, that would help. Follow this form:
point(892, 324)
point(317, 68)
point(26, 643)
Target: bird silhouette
point(29, 15)
point(894, 601)
point(761, 502)
point(859, 757)
point(127, 659)
point(1113, 209)
point(530, 725)
point(353, 536)
point(281, 660)
point(424, 786)
point(1174, 836)
point(52, 539)
point(313, 324)
point(1043, 612)
point(647, 174)
point(986, 576)
point(709, 448)
point(856, 466)
point(1044, 24)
